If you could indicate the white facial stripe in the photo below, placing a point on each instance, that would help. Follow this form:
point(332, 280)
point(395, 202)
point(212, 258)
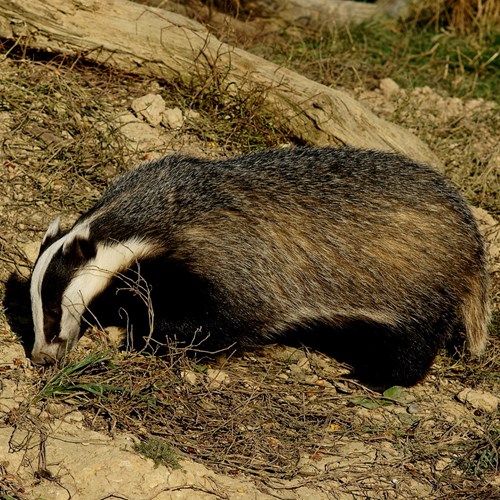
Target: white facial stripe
point(79, 232)
point(93, 278)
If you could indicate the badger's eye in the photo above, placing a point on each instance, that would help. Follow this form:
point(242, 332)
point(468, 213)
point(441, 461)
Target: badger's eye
point(52, 311)
point(51, 323)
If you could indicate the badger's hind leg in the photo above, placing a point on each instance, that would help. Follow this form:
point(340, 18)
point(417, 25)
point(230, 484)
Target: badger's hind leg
point(380, 355)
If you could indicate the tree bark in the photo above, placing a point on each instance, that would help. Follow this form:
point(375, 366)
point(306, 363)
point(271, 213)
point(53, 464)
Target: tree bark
point(155, 42)
point(320, 14)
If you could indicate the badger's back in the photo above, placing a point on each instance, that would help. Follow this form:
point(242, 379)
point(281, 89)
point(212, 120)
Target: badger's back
point(307, 226)
point(284, 242)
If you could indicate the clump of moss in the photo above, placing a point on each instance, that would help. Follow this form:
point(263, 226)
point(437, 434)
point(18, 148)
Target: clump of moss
point(158, 451)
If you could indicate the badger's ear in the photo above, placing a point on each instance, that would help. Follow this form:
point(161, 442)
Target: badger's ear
point(53, 231)
point(78, 246)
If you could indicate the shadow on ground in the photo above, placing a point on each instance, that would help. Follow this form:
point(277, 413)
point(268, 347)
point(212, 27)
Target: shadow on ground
point(17, 306)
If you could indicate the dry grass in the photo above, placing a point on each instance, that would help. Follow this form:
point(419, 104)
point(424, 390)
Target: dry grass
point(64, 112)
point(278, 414)
point(463, 16)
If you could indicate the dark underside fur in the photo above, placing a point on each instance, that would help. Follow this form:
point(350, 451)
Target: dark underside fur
point(364, 255)
point(189, 313)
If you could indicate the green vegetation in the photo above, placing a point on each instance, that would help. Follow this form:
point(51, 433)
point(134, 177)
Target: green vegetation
point(482, 453)
point(66, 381)
point(411, 54)
point(159, 451)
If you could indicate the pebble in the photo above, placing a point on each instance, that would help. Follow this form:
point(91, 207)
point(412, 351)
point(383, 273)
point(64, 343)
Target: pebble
point(150, 107)
point(479, 400)
point(173, 118)
point(388, 87)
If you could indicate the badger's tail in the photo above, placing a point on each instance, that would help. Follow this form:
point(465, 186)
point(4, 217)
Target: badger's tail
point(475, 311)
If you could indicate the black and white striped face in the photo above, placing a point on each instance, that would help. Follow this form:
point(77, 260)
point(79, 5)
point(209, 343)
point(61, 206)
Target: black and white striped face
point(60, 257)
point(70, 272)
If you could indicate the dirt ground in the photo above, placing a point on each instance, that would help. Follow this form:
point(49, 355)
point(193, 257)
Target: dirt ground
point(277, 423)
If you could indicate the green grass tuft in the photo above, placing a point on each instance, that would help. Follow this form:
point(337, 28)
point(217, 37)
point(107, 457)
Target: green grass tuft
point(160, 452)
point(65, 382)
point(482, 455)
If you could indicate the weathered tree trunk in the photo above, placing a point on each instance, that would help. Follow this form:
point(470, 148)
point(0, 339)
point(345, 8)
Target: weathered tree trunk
point(169, 46)
point(317, 14)
point(311, 14)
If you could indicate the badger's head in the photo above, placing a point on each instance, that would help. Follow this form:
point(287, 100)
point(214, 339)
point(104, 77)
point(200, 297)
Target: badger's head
point(57, 307)
point(71, 270)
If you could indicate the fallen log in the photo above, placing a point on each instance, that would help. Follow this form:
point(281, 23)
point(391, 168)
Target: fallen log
point(317, 14)
point(312, 14)
point(305, 14)
point(159, 43)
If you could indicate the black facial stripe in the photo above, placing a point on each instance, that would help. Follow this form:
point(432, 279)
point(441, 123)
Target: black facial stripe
point(57, 278)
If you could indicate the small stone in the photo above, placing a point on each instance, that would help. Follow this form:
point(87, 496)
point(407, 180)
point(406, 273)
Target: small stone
point(173, 118)
point(189, 376)
point(388, 87)
point(150, 107)
point(304, 363)
point(479, 400)
point(139, 133)
point(192, 115)
point(413, 408)
point(311, 379)
point(442, 464)
point(217, 377)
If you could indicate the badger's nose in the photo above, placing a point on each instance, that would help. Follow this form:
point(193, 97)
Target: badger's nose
point(42, 358)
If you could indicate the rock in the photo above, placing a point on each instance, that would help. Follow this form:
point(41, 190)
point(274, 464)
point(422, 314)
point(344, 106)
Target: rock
point(217, 378)
point(189, 376)
point(442, 464)
point(304, 364)
point(386, 450)
point(413, 408)
point(192, 115)
point(173, 118)
point(311, 379)
point(150, 107)
point(388, 87)
point(142, 135)
point(479, 400)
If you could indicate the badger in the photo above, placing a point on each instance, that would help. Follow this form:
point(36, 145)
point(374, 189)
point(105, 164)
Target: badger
point(367, 255)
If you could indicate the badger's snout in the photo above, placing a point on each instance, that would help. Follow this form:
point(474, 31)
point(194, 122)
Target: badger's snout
point(48, 354)
point(42, 359)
